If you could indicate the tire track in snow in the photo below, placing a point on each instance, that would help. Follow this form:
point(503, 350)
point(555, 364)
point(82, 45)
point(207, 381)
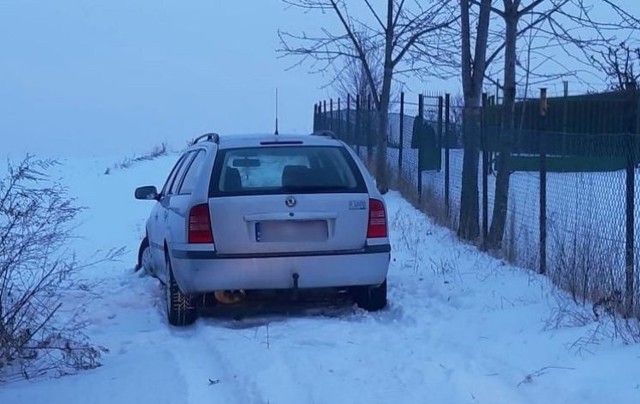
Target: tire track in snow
point(206, 372)
point(255, 360)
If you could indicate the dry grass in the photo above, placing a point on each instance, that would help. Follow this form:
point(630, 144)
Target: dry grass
point(155, 152)
point(579, 261)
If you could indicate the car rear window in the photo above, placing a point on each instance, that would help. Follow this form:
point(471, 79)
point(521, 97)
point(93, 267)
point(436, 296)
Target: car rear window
point(285, 169)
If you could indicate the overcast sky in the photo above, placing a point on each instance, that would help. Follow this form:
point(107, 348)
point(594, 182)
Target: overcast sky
point(120, 76)
point(116, 76)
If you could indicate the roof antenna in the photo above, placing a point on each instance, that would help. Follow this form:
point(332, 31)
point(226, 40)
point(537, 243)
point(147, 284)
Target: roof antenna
point(276, 111)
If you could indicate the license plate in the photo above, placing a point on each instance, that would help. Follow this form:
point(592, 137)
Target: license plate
point(291, 231)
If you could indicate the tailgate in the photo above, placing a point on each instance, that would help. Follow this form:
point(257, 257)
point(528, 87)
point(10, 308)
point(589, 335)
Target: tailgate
point(289, 223)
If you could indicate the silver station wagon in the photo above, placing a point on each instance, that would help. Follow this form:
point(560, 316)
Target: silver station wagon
point(252, 213)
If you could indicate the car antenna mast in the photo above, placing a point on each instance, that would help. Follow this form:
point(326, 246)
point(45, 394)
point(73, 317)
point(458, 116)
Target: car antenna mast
point(276, 132)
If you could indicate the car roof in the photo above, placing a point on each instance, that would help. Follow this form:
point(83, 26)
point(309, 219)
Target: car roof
point(257, 140)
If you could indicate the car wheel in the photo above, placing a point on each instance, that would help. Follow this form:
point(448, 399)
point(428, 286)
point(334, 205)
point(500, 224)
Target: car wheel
point(144, 257)
point(181, 311)
point(371, 298)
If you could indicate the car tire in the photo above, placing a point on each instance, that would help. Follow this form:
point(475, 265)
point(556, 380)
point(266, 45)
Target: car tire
point(144, 249)
point(371, 298)
point(181, 310)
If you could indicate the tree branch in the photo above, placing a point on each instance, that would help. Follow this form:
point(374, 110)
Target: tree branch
point(375, 14)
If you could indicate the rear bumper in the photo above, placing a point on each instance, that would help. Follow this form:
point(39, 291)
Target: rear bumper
point(206, 271)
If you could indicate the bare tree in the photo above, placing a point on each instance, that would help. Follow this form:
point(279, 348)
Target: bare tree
point(472, 72)
point(512, 13)
point(621, 65)
point(396, 30)
point(564, 25)
point(351, 78)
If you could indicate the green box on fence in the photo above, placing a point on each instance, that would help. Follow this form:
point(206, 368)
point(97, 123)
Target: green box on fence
point(423, 138)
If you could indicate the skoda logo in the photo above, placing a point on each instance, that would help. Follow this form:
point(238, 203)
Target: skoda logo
point(290, 201)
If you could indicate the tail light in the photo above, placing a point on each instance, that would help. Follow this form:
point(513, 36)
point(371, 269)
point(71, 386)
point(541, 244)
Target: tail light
point(200, 225)
point(377, 219)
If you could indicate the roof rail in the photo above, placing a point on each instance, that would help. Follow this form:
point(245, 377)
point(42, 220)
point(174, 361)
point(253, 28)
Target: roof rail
point(212, 137)
point(325, 132)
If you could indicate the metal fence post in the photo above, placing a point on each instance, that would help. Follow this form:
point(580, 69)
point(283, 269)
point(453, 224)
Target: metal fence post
point(401, 135)
point(565, 107)
point(440, 122)
point(632, 110)
point(358, 134)
point(330, 113)
point(421, 118)
point(347, 135)
point(439, 128)
point(630, 225)
point(447, 140)
point(338, 130)
point(315, 117)
point(369, 130)
point(485, 169)
point(543, 181)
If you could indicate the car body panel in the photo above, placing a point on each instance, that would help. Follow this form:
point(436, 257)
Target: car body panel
point(266, 224)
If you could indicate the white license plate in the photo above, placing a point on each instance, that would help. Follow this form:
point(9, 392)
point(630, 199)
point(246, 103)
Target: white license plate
point(291, 231)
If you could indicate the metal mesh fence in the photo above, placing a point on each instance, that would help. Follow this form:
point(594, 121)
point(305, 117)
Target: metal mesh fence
point(587, 216)
point(586, 170)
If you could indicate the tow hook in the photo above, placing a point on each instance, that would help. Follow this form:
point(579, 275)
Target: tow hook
point(295, 277)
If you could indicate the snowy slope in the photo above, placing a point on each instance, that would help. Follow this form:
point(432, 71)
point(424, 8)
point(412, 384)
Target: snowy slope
point(461, 327)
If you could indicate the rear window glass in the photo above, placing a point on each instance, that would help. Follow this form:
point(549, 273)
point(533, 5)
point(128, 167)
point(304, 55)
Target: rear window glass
point(290, 169)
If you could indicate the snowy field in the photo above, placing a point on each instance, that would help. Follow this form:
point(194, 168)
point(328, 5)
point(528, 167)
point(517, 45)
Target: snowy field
point(461, 327)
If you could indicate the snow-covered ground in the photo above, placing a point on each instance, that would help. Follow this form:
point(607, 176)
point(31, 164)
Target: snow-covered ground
point(461, 327)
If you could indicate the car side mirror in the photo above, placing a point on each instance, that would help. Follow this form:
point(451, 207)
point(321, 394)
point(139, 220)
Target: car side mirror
point(147, 193)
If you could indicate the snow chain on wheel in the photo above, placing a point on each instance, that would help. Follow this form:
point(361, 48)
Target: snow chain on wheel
point(180, 308)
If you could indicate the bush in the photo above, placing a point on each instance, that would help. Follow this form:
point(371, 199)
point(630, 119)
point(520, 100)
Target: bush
point(36, 270)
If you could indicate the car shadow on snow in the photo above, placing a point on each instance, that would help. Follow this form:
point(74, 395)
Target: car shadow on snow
point(259, 309)
point(267, 307)
point(254, 314)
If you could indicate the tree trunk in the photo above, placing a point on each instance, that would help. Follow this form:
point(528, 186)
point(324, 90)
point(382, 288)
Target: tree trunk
point(382, 176)
point(501, 197)
point(473, 69)
point(469, 228)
